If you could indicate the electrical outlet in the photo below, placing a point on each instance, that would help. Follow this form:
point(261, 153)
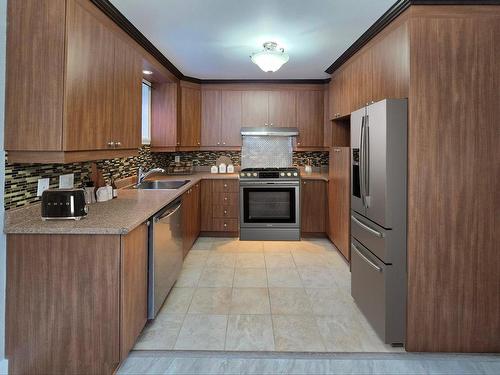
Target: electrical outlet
point(177, 159)
point(66, 181)
point(43, 184)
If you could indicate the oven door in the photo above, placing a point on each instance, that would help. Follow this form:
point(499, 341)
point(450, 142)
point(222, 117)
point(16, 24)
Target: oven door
point(270, 204)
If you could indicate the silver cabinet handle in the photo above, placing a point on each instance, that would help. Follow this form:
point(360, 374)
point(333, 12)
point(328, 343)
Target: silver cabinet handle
point(369, 229)
point(225, 198)
point(336, 149)
point(225, 212)
point(225, 185)
point(118, 143)
point(373, 265)
point(225, 225)
point(223, 143)
point(218, 143)
point(111, 144)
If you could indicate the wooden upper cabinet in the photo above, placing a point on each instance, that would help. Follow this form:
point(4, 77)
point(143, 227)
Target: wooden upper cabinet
point(391, 65)
point(190, 115)
point(211, 118)
point(359, 82)
point(282, 109)
point(126, 132)
point(73, 84)
point(255, 106)
point(164, 124)
point(338, 95)
point(231, 121)
point(88, 110)
point(310, 118)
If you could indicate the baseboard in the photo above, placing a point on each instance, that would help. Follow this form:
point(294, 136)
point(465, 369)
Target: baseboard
point(4, 366)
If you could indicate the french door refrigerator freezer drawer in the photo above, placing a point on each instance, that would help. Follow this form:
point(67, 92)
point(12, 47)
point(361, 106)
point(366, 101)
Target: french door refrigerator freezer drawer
point(373, 236)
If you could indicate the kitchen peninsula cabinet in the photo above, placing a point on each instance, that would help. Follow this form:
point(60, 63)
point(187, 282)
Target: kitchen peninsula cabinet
point(190, 217)
point(76, 303)
point(70, 99)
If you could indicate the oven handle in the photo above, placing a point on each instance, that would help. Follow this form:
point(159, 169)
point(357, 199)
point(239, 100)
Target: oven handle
point(263, 183)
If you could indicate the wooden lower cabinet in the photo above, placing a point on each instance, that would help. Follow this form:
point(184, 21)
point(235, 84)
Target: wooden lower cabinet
point(313, 206)
point(220, 206)
point(339, 198)
point(75, 303)
point(190, 217)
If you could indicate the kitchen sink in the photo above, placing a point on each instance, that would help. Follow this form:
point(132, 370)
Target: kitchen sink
point(161, 185)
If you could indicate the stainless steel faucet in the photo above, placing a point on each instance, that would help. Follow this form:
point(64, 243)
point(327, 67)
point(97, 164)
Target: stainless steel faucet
point(141, 175)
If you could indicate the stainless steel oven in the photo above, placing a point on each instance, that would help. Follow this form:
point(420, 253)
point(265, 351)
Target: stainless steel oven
point(270, 209)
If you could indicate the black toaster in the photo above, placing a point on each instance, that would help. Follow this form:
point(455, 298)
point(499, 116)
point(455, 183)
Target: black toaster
point(66, 204)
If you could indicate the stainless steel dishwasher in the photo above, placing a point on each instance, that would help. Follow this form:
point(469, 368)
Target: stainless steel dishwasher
point(165, 255)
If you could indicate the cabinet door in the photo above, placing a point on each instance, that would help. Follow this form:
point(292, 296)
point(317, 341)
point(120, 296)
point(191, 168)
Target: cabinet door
point(164, 115)
point(255, 108)
point(339, 199)
point(282, 109)
point(231, 118)
point(313, 206)
point(310, 118)
point(206, 206)
point(134, 287)
point(89, 86)
point(127, 97)
point(187, 221)
point(190, 116)
point(211, 118)
point(391, 65)
point(195, 213)
point(360, 81)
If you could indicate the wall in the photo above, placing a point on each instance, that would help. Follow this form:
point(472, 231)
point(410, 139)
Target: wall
point(21, 179)
point(3, 12)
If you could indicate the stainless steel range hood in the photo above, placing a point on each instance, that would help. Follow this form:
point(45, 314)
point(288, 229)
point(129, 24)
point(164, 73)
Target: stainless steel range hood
point(269, 131)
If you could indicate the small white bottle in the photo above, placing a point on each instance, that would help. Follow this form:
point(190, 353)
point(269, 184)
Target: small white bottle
point(230, 168)
point(214, 169)
point(222, 168)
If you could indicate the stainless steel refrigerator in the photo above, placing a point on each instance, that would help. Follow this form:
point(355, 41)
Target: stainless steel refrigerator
point(378, 215)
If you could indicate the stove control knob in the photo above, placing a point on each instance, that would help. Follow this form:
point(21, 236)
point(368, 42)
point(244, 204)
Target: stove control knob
point(282, 173)
point(295, 174)
point(242, 174)
point(249, 174)
point(288, 174)
point(255, 174)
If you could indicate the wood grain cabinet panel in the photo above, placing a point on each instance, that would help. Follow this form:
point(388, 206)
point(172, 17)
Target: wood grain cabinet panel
point(226, 211)
point(75, 303)
point(255, 107)
point(226, 186)
point(191, 219)
point(164, 124)
point(226, 225)
point(224, 199)
point(282, 108)
point(211, 118)
point(231, 122)
point(127, 120)
point(33, 116)
point(134, 287)
point(339, 198)
point(190, 116)
point(89, 86)
point(310, 118)
point(313, 206)
point(359, 80)
point(390, 65)
point(206, 203)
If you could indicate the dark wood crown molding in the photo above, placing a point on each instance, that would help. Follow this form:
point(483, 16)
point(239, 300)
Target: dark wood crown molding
point(270, 81)
point(394, 11)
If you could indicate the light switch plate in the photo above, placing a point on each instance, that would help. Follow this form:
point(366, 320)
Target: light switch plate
point(43, 184)
point(66, 181)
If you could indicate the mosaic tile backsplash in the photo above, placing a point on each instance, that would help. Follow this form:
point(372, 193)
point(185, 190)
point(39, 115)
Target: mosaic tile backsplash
point(21, 179)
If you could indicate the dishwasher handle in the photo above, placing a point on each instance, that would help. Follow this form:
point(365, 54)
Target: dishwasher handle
point(169, 212)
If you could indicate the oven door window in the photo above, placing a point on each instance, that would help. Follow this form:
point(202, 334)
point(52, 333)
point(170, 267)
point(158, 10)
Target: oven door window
point(269, 205)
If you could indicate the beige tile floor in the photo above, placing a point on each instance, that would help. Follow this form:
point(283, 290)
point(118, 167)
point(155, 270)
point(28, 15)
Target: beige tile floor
point(262, 296)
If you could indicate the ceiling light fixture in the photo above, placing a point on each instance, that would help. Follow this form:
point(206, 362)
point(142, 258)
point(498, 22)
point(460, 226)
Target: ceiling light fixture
point(271, 58)
point(147, 72)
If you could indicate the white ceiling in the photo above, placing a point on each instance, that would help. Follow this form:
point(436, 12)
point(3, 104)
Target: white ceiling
point(212, 39)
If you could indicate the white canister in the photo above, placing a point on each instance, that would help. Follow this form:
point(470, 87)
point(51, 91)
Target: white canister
point(214, 169)
point(308, 169)
point(222, 168)
point(230, 168)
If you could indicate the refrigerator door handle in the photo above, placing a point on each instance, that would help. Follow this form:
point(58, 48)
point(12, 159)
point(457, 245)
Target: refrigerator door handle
point(362, 256)
point(366, 158)
point(361, 162)
point(364, 226)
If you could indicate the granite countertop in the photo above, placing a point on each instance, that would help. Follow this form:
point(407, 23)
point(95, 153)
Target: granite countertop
point(117, 216)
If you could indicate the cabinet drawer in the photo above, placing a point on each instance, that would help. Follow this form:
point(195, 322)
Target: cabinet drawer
point(225, 225)
point(226, 186)
point(226, 199)
point(226, 211)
